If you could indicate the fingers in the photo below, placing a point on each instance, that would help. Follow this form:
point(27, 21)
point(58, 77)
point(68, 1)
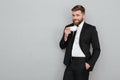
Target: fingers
point(67, 28)
point(67, 32)
point(87, 66)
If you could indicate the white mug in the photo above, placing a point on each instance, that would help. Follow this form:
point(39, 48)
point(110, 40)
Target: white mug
point(73, 28)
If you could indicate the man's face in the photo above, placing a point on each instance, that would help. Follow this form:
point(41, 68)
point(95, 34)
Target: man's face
point(77, 17)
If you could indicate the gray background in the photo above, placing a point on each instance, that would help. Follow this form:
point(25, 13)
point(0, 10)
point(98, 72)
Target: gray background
point(30, 31)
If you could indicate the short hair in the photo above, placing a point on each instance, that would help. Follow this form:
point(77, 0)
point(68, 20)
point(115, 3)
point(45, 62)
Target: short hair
point(78, 7)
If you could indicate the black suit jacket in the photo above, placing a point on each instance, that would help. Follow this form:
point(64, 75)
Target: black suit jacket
point(88, 36)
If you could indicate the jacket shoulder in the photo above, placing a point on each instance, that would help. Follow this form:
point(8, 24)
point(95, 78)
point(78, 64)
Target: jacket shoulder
point(90, 26)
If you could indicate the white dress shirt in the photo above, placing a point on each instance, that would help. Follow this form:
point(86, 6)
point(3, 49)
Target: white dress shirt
point(76, 50)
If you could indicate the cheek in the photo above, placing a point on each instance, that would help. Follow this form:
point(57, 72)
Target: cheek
point(73, 18)
point(76, 18)
point(80, 17)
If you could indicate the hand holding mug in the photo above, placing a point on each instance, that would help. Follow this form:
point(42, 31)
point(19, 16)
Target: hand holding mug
point(67, 32)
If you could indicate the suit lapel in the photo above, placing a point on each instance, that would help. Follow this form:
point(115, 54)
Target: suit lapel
point(81, 36)
point(82, 32)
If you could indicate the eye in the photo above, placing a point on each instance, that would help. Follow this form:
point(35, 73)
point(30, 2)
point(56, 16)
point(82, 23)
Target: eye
point(73, 15)
point(78, 15)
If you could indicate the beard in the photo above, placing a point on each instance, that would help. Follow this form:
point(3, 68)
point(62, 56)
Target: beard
point(77, 22)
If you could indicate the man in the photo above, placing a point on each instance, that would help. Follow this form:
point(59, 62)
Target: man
point(79, 60)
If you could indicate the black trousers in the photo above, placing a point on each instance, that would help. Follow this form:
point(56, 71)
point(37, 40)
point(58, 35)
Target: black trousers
point(76, 70)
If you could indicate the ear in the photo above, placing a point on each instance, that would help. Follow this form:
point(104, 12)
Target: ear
point(83, 16)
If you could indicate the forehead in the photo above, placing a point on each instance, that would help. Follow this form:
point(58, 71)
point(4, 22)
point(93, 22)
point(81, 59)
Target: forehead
point(77, 12)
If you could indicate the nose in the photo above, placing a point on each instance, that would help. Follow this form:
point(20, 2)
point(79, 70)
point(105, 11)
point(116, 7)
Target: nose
point(74, 17)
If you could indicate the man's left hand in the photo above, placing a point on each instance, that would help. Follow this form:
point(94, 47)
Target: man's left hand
point(87, 66)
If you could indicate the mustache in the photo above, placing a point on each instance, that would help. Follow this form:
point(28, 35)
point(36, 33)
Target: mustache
point(76, 19)
point(79, 21)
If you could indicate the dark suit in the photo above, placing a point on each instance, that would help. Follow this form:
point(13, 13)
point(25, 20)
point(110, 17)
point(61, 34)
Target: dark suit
point(88, 36)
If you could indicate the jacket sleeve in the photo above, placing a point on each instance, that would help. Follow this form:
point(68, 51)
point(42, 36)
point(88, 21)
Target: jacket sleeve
point(63, 43)
point(95, 46)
